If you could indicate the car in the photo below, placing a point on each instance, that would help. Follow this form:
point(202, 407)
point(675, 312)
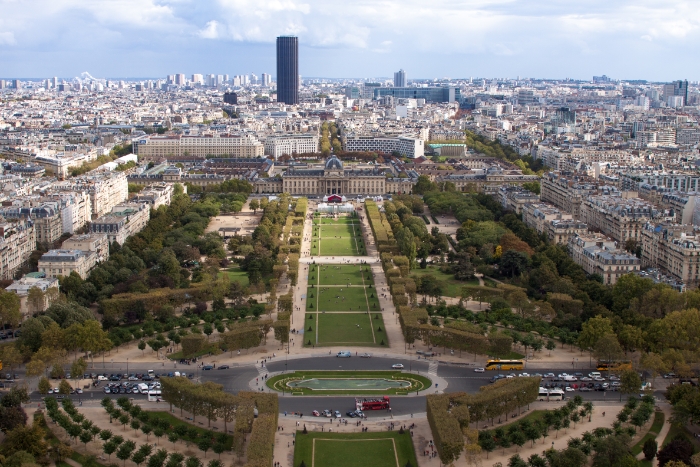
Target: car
point(670, 375)
point(586, 378)
point(615, 384)
point(366, 355)
point(351, 414)
point(479, 370)
point(133, 378)
point(101, 378)
point(207, 367)
point(538, 374)
point(107, 390)
point(614, 378)
point(598, 378)
point(578, 375)
point(315, 413)
point(224, 367)
point(397, 366)
point(337, 414)
point(563, 375)
point(359, 413)
point(605, 386)
point(584, 389)
point(327, 413)
point(524, 374)
point(50, 391)
point(510, 376)
point(79, 391)
point(569, 389)
point(549, 375)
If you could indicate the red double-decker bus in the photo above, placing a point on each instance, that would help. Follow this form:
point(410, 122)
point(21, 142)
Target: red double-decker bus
point(372, 404)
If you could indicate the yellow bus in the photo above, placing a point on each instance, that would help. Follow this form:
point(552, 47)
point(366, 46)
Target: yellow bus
point(505, 364)
point(615, 365)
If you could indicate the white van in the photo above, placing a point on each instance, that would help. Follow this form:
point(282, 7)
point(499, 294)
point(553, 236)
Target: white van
point(594, 374)
point(177, 374)
point(143, 388)
point(151, 373)
point(570, 378)
point(344, 354)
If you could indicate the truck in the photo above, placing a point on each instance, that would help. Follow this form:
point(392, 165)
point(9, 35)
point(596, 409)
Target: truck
point(362, 403)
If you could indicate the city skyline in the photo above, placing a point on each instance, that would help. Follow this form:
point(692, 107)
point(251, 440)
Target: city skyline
point(486, 38)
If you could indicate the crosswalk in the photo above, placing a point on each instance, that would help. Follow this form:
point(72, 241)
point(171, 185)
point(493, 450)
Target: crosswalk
point(262, 371)
point(432, 368)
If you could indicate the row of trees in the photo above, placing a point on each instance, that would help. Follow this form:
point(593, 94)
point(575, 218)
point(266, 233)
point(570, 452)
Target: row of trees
point(518, 433)
point(210, 401)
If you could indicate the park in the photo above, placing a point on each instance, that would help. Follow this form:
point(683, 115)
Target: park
point(340, 236)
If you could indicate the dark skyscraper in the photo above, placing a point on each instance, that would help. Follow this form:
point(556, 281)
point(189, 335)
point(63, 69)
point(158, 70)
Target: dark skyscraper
point(288, 69)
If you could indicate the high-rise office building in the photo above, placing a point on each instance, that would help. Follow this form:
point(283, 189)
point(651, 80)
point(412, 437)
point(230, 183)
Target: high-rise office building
point(400, 79)
point(677, 88)
point(288, 69)
point(266, 79)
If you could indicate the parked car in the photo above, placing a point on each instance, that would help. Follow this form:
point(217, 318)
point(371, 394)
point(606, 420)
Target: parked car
point(207, 367)
point(397, 366)
point(327, 413)
point(337, 414)
point(366, 355)
point(549, 375)
point(224, 367)
point(351, 414)
point(315, 413)
point(107, 390)
point(670, 375)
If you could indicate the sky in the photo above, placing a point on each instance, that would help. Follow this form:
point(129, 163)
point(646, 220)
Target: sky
point(624, 39)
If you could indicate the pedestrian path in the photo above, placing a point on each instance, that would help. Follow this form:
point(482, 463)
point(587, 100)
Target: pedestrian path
point(432, 368)
point(262, 371)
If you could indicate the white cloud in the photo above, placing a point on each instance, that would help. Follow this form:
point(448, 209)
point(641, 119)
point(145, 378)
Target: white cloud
point(7, 38)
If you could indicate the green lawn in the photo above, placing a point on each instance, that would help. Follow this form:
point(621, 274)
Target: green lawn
point(339, 299)
point(236, 274)
point(418, 382)
point(340, 274)
point(451, 287)
point(341, 237)
point(348, 328)
point(373, 449)
point(677, 430)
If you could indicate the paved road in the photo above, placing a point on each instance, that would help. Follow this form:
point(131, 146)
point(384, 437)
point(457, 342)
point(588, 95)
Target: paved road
point(459, 379)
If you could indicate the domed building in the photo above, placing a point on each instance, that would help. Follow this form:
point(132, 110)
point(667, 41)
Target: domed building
point(331, 178)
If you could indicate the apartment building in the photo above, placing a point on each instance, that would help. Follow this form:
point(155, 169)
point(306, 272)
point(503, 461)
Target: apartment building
point(567, 192)
point(538, 215)
point(211, 145)
point(561, 231)
point(17, 242)
point(22, 286)
point(620, 218)
point(683, 181)
point(597, 254)
point(674, 249)
point(61, 263)
point(61, 164)
point(125, 220)
point(105, 189)
point(514, 198)
point(278, 145)
point(91, 242)
point(407, 146)
point(47, 220)
point(155, 195)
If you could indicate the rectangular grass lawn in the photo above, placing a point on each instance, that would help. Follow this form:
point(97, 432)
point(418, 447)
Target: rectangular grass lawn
point(337, 299)
point(337, 247)
point(381, 449)
point(451, 287)
point(236, 274)
point(340, 274)
point(341, 328)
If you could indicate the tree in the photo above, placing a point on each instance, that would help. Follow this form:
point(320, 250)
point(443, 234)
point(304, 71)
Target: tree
point(219, 449)
point(650, 448)
point(551, 345)
point(630, 383)
point(85, 437)
point(254, 205)
point(175, 460)
point(125, 450)
point(44, 385)
point(146, 429)
point(10, 309)
point(64, 387)
point(593, 330)
point(35, 300)
point(158, 433)
point(679, 449)
point(518, 438)
point(11, 418)
point(138, 457)
point(77, 369)
point(607, 348)
point(109, 448)
point(142, 346)
point(124, 420)
point(192, 461)
point(204, 445)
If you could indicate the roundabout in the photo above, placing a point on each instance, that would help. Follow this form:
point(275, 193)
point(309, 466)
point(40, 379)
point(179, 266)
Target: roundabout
point(310, 383)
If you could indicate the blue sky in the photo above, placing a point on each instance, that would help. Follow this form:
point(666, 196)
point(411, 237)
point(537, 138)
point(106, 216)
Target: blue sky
point(640, 39)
